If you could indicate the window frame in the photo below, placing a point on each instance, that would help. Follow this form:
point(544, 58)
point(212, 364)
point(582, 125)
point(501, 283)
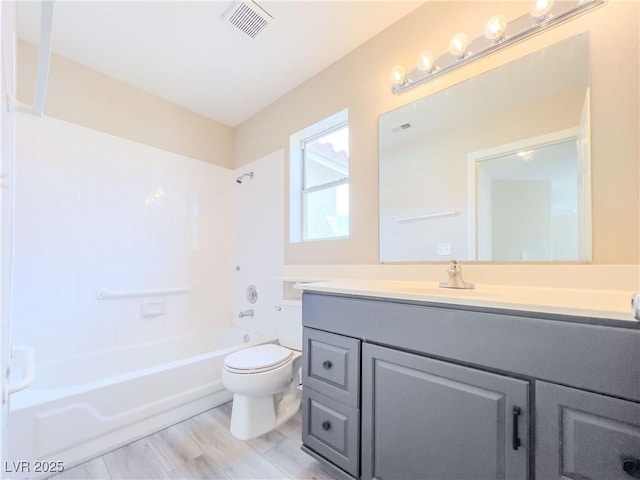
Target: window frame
point(297, 177)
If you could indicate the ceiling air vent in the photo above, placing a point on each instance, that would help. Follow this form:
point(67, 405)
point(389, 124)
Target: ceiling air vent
point(248, 17)
point(402, 127)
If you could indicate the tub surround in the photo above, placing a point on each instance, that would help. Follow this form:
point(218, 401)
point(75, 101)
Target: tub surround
point(94, 211)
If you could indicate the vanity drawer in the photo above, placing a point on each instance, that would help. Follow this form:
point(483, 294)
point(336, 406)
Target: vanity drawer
point(331, 365)
point(331, 429)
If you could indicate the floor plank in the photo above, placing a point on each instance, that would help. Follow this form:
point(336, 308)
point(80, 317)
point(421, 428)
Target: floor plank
point(202, 447)
point(251, 466)
point(293, 428)
point(288, 457)
point(174, 447)
point(135, 461)
point(200, 468)
point(213, 437)
point(93, 469)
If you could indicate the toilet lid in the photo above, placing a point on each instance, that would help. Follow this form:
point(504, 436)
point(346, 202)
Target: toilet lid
point(261, 357)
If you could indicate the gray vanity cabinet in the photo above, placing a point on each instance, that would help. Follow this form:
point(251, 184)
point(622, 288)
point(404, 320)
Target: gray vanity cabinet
point(418, 390)
point(586, 436)
point(431, 420)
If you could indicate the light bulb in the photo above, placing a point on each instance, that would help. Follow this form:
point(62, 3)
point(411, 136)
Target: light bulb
point(426, 61)
point(458, 45)
point(526, 155)
point(494, 30)
point(541, 8)
point(397, 75)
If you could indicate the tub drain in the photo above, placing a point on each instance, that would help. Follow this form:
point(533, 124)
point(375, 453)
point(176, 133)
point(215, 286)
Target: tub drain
point(246, 338)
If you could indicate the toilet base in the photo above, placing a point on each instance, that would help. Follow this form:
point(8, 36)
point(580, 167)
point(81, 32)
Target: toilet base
point(255, 416)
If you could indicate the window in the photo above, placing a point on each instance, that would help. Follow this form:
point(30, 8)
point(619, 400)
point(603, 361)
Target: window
point(320, 181)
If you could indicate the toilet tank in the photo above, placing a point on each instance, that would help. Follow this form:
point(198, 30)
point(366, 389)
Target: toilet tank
point(289, 325)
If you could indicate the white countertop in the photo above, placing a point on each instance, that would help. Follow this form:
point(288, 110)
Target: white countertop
point(609, 304)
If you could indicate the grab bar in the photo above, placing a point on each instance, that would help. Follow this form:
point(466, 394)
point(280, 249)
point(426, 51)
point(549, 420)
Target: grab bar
point(104, 294)
point(28, 369)
point(452, 213)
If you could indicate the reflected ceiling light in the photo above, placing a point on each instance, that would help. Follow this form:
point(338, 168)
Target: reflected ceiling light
point(458, 45)
point(397, 75)
point(463, 51)
point(526, 155)
point(541, 9)
point(426, 61)
point(495, 28)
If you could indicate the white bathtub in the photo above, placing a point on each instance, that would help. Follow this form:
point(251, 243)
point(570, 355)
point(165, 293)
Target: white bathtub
point(81, 407)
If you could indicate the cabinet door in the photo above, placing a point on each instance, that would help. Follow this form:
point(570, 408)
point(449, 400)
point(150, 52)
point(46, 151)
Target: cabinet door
point(583, 435)
point(427, 419)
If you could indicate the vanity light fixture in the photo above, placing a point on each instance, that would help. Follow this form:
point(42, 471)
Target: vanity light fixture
point(458, 45)
point(499, 33)
point(426, 61)
point(541, 9)
point(495, 28)
point(397, 76)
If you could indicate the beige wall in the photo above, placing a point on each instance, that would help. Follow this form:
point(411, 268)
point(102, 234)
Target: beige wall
point(83, 96)
point(360, 81)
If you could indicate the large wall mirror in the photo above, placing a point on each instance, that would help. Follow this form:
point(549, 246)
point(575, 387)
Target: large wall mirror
point(495, 168)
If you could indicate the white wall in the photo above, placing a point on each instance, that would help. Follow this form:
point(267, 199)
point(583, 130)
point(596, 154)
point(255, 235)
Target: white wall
point(258, 241)
point(7, 80)
point(96, 211)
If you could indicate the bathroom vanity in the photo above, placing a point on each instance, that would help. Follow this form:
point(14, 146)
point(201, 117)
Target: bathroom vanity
point(399, 383)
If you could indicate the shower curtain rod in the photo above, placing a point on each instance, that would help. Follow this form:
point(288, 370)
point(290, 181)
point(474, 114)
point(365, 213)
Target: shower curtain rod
point(44, 57)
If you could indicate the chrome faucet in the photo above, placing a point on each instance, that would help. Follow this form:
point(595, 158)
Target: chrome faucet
point(246, 313)
point(455, 277)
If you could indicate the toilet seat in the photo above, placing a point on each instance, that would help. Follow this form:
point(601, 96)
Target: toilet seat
point(261, 358)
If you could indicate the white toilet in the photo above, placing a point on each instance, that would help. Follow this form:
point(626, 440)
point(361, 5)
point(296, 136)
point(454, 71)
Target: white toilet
point(264, 379)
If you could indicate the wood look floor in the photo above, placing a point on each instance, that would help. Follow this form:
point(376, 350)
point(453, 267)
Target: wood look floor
point(201, 447)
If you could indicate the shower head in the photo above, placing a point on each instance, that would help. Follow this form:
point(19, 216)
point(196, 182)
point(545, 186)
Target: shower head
point(241, 177)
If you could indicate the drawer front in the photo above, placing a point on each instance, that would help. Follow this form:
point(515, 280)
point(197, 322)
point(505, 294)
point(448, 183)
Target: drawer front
point(585, 435)
point(331, 429)
point(331, 365)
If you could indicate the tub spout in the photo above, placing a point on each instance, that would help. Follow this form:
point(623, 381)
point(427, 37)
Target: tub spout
point(246, 313)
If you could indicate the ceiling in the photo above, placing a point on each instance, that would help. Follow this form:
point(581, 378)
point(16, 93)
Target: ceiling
point(185, 53)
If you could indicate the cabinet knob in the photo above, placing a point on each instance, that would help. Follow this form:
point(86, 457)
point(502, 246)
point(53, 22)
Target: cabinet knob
point(327, 365)
point(631, 466)
point(326, 425)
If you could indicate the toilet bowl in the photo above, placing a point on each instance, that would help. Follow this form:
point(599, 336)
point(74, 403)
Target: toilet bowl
point(264, 381)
